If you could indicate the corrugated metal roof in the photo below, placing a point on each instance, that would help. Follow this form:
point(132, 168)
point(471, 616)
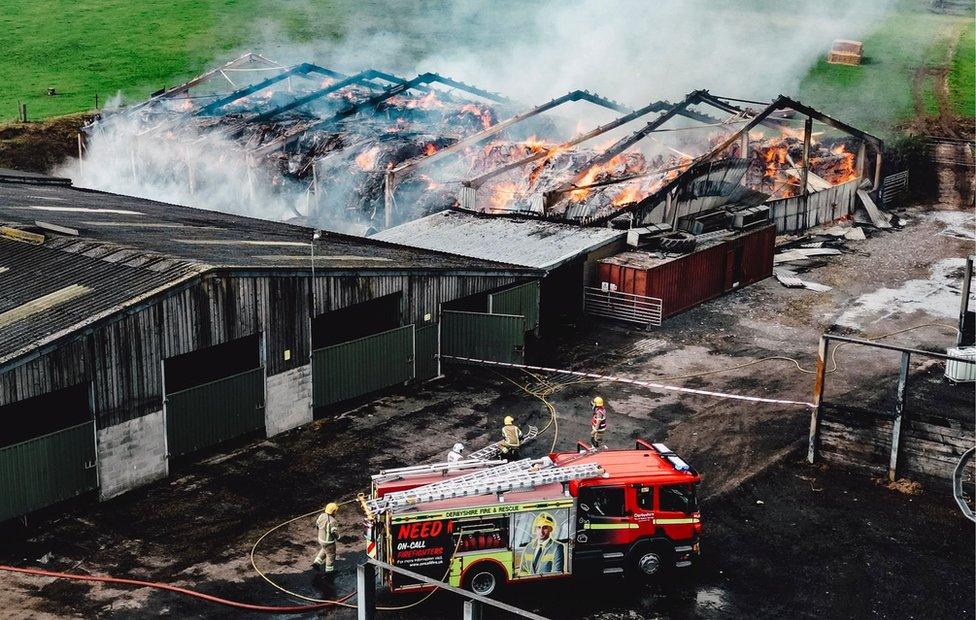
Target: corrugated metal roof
point(538, 244)
point(209, 237)
point(49, 290)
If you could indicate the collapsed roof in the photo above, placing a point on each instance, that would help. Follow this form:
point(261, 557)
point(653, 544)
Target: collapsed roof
point(372, 149)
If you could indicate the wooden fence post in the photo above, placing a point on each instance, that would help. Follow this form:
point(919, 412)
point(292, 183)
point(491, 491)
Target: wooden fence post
point(818, 392)
point(899, 414)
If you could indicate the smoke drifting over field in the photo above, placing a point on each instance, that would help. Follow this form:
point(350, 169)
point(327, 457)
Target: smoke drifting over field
point(632, 51)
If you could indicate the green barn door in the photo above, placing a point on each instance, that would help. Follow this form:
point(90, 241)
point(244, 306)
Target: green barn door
point(206, 415)
point(480, 336)
point(520, 299)
point(357, 367)
point(45, 470)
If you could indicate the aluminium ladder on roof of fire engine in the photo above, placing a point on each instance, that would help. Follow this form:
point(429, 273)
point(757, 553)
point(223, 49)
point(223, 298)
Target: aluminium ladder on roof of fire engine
point(493, 450)
point(524, 474)
point(399, 473)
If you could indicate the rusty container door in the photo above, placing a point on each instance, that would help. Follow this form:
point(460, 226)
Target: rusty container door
point(757, 259)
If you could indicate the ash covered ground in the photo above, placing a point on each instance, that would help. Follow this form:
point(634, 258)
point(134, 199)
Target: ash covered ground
point(782, 538)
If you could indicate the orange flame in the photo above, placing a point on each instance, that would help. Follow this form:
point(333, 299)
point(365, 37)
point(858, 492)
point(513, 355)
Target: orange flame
point(501, 195)
point(429, 149)
point(367, 159)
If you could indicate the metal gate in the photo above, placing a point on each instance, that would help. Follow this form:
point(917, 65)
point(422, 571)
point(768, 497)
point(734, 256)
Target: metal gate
point(208, 414)
point(426, 352)
point(358, 367)
point(47, 469)
point(522, 299)
point(475, 335)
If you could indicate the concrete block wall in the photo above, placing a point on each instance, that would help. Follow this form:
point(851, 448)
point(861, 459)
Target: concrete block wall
point(131, 454)
point(288, 400)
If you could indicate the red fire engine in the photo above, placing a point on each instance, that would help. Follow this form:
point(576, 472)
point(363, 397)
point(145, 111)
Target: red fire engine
point(483, 525)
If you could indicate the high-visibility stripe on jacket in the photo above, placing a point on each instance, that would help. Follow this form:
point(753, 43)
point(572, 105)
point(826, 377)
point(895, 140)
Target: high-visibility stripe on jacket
point(327, 528)
point(599, 422)
point(512, 435)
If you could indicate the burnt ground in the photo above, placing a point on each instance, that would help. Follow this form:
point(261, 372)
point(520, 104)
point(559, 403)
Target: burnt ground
point(782, 537)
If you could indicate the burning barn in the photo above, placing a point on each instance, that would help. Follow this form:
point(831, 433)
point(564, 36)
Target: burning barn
point(369, 151)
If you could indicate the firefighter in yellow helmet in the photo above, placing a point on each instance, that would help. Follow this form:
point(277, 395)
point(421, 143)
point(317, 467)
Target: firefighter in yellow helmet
point(511, 439)
point(598, 425)
point(544, 554)
point(328, 534)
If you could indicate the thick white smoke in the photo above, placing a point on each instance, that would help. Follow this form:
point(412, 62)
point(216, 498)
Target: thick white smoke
point(633, 51)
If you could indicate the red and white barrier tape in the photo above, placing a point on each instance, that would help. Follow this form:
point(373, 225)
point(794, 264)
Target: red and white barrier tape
point(647, 384)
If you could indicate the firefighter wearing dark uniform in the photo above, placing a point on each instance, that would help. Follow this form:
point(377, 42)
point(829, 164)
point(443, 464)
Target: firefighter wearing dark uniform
point(598, 425)
point(511, 439)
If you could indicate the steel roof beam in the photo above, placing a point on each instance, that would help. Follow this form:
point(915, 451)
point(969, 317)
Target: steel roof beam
point(301, 70)
point(360, 78)
point(576, 95)
point(203, 77)
point(779, 104)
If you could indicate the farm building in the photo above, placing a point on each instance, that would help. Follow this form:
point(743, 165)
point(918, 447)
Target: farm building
point(135, 333)
point(567, 254)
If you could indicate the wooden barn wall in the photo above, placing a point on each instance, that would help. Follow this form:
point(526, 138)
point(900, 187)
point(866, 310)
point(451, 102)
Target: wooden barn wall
point(930, 445)
point(822, 207)
point(123, 358)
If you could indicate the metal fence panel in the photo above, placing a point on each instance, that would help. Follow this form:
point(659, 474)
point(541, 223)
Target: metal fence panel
point(47, 469)
point(208, 414)
point(522, 299)
point(475, 335)
point(893, 187)
point(426, 353)
point(638, 309)
point(351, 369)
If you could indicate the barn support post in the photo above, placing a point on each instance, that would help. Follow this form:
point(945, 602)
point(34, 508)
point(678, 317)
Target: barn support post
point(366, 589)
point(899, 414)
point(805, 172)
point(877, 170)
point(861, 160)
point(819, 387)
point(388, 203)
point(81, 155)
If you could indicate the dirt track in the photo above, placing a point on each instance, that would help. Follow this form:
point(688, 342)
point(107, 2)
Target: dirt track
point(822, 542)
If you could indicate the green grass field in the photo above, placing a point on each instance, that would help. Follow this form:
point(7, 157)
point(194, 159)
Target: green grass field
point(962, 78)
point(90, 47)
point(877, 96)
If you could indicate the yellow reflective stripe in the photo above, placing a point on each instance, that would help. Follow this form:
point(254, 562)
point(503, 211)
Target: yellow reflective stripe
point(610, 526)
point(684, 521)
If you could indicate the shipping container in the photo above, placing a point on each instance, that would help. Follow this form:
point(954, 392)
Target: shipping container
point(716, 266)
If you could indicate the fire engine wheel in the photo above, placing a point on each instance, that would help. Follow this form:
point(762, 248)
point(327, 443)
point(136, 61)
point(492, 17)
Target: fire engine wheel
point(649, 561)
point(484, 579)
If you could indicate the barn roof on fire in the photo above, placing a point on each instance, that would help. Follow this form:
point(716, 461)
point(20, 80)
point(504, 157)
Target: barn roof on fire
point(535, 243)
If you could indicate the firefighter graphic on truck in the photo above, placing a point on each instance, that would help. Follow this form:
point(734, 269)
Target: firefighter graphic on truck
point(543, 555)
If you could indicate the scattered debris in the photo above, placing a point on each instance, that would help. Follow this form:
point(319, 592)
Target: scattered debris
point(855, 234)
point(803, 254)
point(789, 279)
point(879, 219)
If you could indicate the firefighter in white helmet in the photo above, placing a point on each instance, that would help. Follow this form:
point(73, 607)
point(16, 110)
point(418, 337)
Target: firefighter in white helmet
point(455, 454)
point(598, 425)
point(328, 534)
point(511, 439)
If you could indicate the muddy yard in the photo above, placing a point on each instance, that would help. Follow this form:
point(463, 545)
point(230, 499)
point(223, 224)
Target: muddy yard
point(782, 537)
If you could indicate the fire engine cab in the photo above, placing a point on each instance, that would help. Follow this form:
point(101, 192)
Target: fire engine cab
point(484, 524)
